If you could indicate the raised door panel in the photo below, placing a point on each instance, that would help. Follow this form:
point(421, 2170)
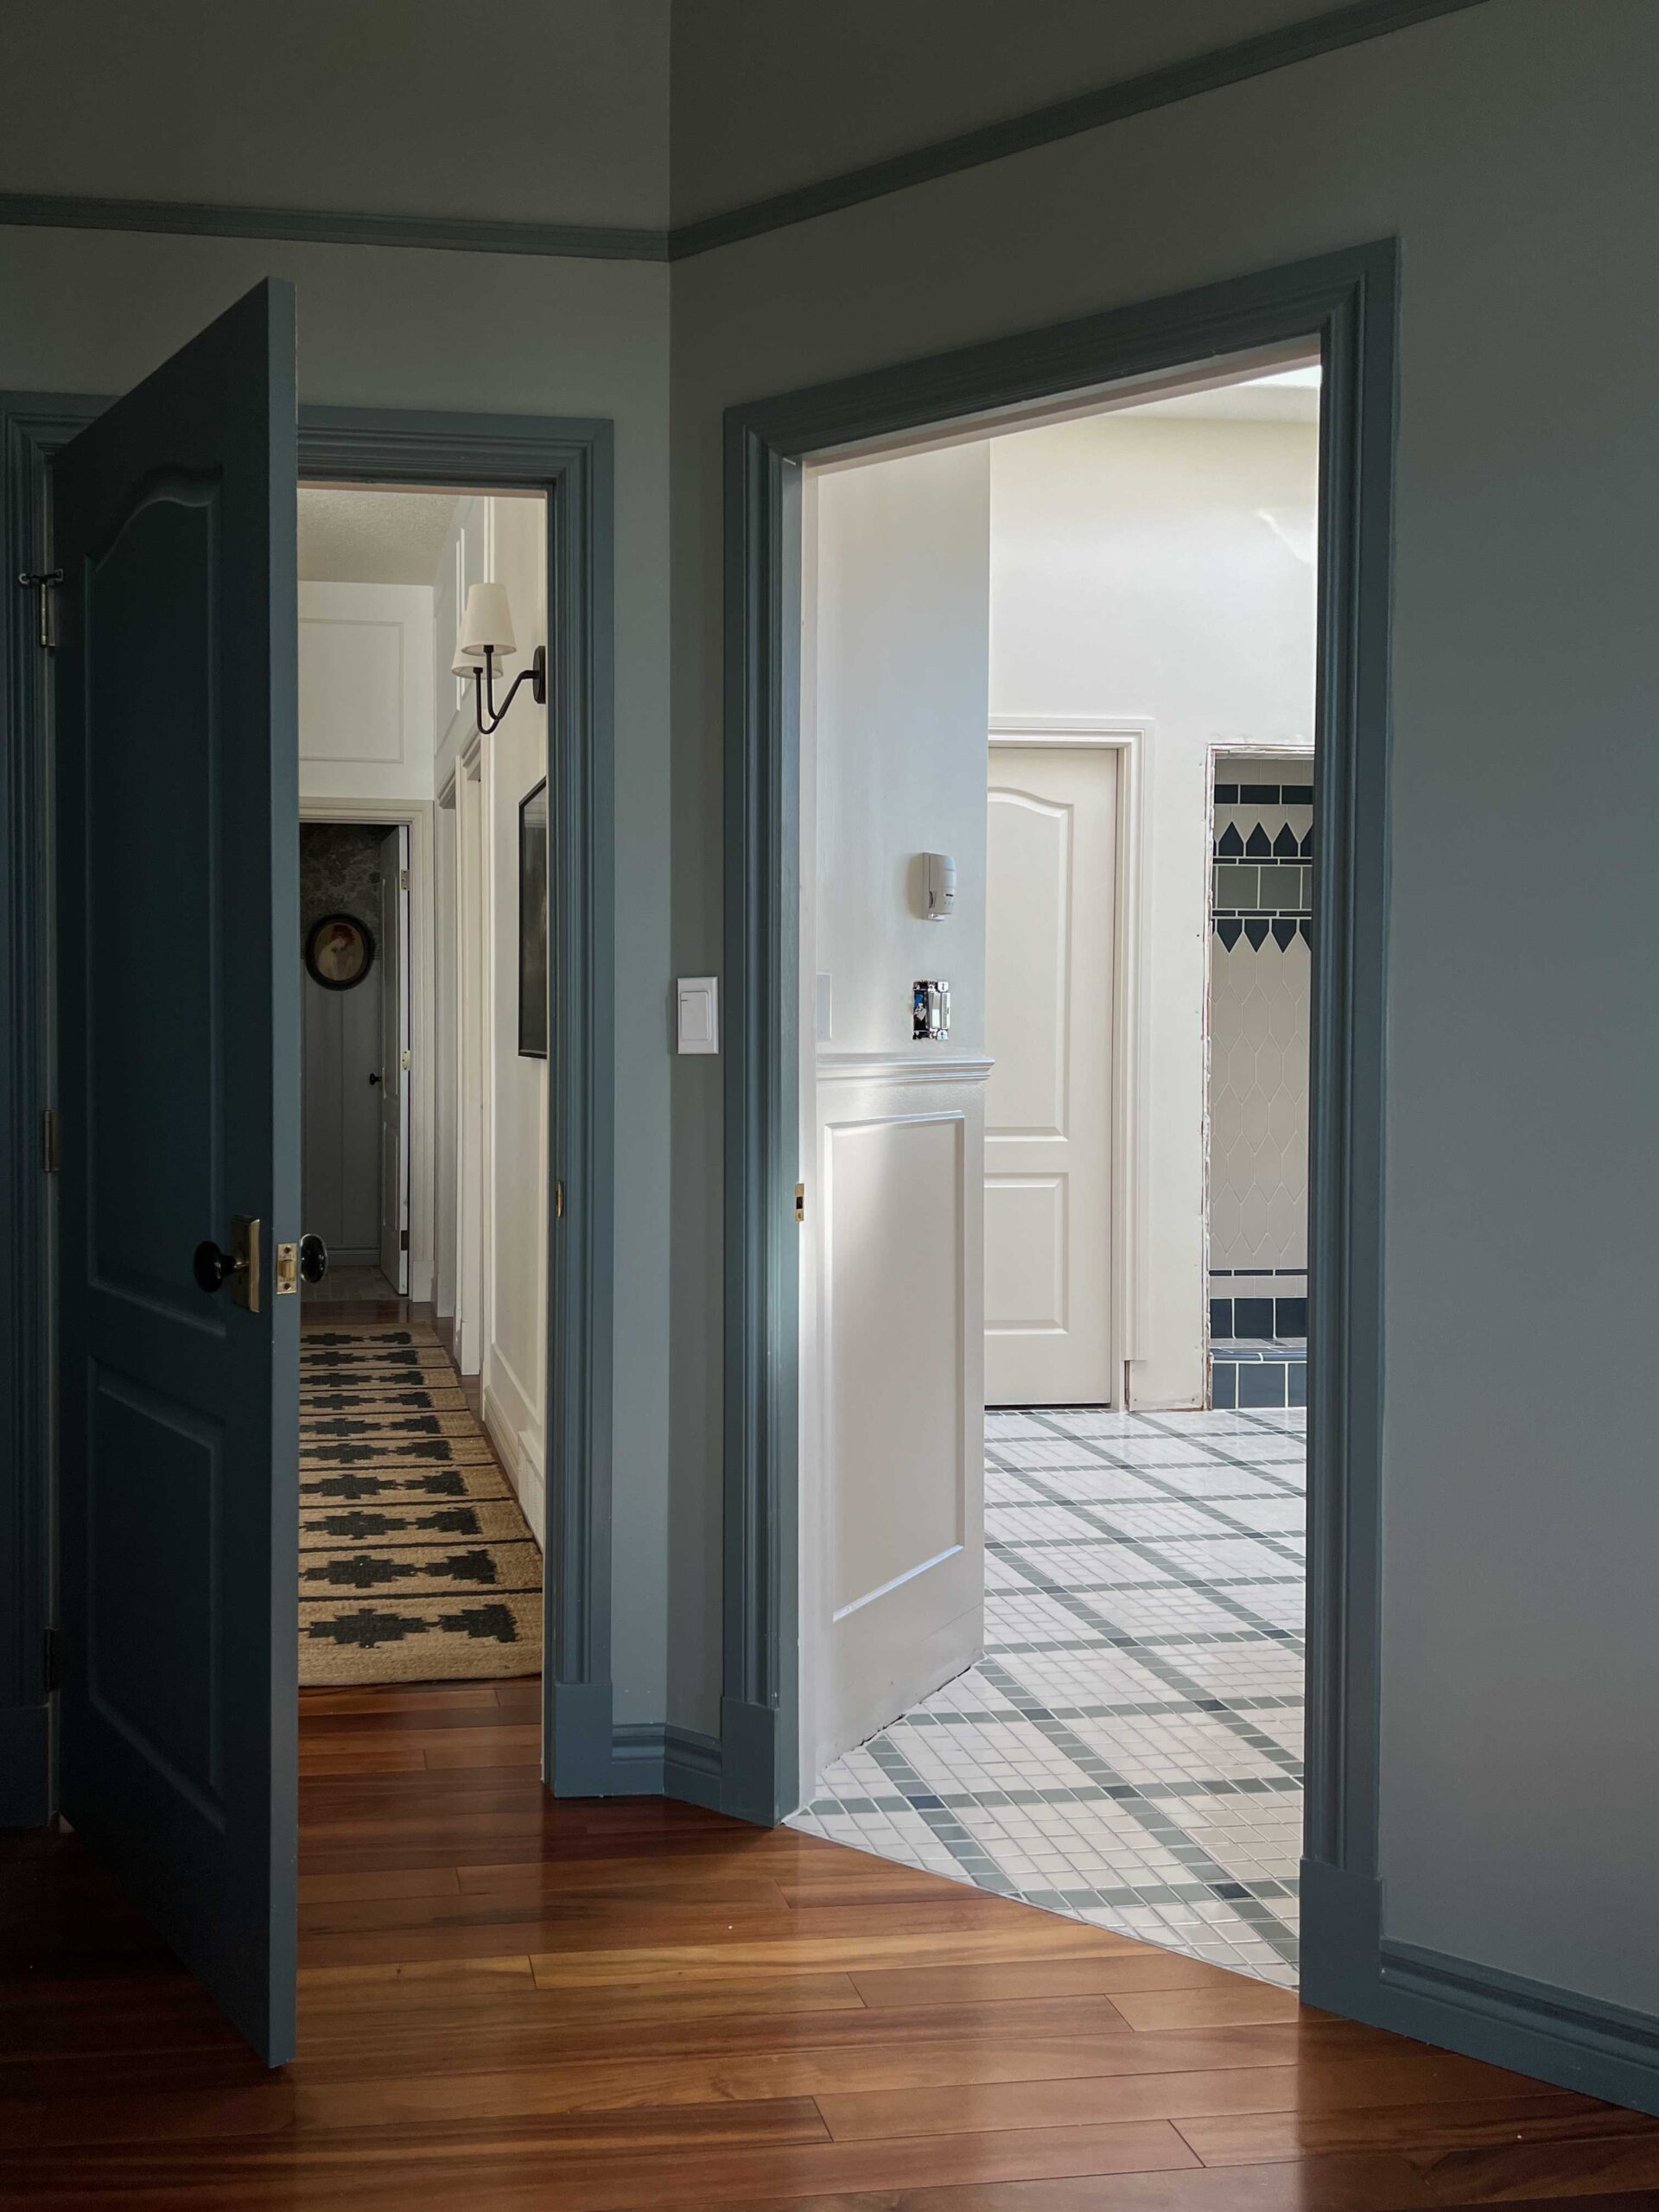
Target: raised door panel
point(1050, 935)
point(902, 1589)
point(177, 1015)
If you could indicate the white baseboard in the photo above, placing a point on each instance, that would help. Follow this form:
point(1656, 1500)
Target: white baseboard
point(518, 1444)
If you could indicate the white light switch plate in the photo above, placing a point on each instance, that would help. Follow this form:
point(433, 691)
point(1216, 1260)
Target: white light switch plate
point(699, 1013)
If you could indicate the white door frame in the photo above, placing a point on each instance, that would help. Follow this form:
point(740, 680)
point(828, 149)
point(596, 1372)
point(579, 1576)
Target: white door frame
point(471, 1017)
point(1130, 736)
point(420, 1165)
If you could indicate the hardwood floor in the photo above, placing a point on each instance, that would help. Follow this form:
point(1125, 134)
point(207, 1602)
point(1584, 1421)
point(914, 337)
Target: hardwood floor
point(507, 2002)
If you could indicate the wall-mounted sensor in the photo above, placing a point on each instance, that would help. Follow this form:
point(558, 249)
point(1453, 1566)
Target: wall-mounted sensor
point(930, 1010)
point(697, 1025)
point(939, 880)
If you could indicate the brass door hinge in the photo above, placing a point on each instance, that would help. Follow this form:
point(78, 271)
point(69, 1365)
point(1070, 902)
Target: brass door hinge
point(51, 1141)
point(558, 1202)
point(800, 1202)
point(43, 580)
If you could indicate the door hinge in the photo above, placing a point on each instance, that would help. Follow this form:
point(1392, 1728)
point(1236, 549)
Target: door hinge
point(42, 581)
point(51, 1141)
point(559, 1201)
point(800, 1202)
point(403, 879)
point(52, 1660)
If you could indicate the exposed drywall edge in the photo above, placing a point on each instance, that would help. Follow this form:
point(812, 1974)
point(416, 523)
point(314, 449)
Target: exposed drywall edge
point(1303, 41)
point(332, 226)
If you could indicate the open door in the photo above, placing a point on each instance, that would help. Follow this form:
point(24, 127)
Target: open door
point(178, 1029)
point(394, 1057)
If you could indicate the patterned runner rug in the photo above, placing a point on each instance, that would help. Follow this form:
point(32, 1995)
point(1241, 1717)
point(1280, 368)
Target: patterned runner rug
point(415, 1563)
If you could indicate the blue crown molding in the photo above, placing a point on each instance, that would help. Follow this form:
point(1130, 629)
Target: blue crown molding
point(1303, 41)
point(332, 226)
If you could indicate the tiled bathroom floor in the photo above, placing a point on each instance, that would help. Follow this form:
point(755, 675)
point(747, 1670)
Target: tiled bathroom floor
point(1129, 1748)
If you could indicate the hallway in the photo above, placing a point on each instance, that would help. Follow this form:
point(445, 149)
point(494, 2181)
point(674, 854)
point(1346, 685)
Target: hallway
point(508, 2001)
point(416, 1563)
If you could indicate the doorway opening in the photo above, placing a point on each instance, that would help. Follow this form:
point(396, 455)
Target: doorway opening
point(1053, 1428)
point(423, 920)
point(356, 1056)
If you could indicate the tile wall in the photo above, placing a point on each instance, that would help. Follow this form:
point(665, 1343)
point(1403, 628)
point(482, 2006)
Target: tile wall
point(1260, 962)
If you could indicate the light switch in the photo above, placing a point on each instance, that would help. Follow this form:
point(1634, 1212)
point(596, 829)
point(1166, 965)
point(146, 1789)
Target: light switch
point(699, 1013)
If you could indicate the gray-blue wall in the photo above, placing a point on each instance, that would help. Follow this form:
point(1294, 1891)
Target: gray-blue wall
point(1511, 148)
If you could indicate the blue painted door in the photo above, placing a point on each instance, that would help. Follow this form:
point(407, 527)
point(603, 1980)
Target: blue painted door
point(178, 1042)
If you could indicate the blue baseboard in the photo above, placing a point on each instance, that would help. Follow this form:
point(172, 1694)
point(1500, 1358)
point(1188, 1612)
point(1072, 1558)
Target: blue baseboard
point(582, 1739)
point(1558, 2036)
point(749, 1779)
point(651, 1760)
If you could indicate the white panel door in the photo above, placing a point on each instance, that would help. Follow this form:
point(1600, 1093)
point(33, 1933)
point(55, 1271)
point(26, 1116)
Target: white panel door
point(1050, 892)
point(903, 1448)
point(395, 1028)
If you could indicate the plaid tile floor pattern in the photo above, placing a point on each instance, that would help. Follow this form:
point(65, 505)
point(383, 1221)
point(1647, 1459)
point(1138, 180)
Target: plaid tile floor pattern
point(1129, 1749)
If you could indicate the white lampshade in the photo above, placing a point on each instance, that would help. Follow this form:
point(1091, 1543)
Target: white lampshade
point(487, 621)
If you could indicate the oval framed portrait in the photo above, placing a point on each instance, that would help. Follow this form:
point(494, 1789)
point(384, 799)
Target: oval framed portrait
point(339, 952)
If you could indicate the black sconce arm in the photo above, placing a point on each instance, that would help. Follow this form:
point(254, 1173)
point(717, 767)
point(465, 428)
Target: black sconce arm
point(490, 716)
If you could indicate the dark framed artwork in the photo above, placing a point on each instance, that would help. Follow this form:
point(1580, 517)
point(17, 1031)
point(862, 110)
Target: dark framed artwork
point(339, 952)
point(532, 923)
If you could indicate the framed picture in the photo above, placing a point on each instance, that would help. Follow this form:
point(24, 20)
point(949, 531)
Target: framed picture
point(532, 923)
point(339, 952)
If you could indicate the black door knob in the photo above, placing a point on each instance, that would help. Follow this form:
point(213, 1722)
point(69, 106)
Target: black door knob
point(374, 1078)
point(212, 1267)
point(313, 1257)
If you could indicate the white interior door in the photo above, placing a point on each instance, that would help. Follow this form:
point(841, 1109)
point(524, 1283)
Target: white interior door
point(896, 586)
point(1051, 906)
point(471, 1035)
point(395, 1054)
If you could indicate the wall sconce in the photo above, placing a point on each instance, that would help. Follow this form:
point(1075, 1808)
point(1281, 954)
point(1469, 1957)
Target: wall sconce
point(486, 636)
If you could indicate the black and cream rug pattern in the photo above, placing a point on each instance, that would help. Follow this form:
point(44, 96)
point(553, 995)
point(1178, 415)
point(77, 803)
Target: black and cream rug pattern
point(415, 1563)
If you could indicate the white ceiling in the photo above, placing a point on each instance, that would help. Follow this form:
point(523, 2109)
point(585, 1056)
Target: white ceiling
point(768, 94)
point(352, 537)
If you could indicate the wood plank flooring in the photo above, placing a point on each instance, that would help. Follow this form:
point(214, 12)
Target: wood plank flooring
point(507, 2002)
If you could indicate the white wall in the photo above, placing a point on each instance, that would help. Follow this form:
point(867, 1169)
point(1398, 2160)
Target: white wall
point(447, 1047)
point(514, 1371)
point(1509, 147)
point(365, 691)
point(1135, 574)
point(903, 610)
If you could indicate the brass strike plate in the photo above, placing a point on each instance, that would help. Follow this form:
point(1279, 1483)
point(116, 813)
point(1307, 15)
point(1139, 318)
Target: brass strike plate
point(288, 1270)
